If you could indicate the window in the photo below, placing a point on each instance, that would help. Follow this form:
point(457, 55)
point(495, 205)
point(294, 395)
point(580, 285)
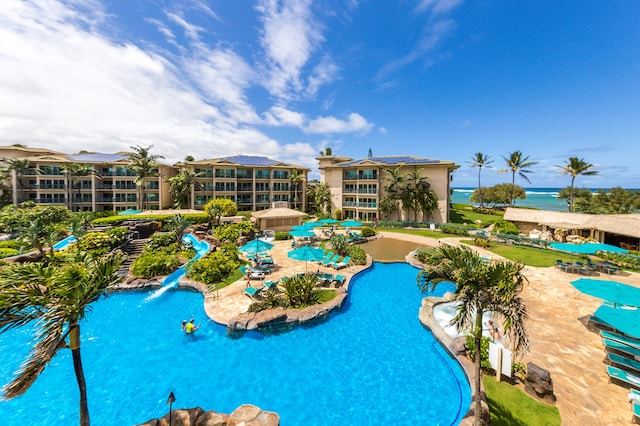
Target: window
point(206, 172)
point(226, 173)
point(281, 174)
point(226, 186)
point(245, 174)
point(262, 174)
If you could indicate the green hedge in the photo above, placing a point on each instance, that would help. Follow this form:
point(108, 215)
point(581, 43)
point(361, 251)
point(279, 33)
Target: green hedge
point(8, 252)
point(281, 236)
point(116, 220)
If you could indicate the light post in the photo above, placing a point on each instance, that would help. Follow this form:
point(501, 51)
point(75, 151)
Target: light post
point(170, 401)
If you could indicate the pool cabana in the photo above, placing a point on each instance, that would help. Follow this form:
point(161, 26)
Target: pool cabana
point(277, 219)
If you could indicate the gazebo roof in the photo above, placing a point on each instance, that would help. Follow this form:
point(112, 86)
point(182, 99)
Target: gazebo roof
point(277, 212)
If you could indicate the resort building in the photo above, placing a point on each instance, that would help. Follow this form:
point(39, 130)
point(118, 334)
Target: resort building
point(97, 182)
point(252, 182)
point(621, 230)
point(358, 186)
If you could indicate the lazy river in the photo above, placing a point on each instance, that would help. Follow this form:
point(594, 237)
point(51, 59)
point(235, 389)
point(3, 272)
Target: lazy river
point(370, 363)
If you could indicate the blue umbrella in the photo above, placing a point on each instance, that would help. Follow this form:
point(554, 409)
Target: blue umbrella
point(351, 224)
point(586, 248)
point(313, 224)
point(300, 234)
point(613, 291)
point(328, 221)
point(307, 253)
point(301, 228)
point(625, 320)
point(256, 246)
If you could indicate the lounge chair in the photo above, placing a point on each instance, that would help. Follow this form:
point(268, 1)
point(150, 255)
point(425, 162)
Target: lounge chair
point(634, 396)
point(622, 376)
point(328, 255)
point(331, 260)
point(598, 323)
point(252, 292)
point(610, 345)
point(253, 274)
point(343, 263)
point(339, 280)
point(625, 340)
point(261, 269)
point(270, 284)
point(624, 363)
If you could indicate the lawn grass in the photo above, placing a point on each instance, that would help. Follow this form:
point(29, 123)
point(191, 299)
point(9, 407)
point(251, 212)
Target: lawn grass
point(421, 232)
point(462, 214)
point(232, 278)
point(510, 406)
point(326, 295)
point(530, 256)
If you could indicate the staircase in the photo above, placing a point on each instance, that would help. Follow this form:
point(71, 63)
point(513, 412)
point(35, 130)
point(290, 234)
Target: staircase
point(132, 250)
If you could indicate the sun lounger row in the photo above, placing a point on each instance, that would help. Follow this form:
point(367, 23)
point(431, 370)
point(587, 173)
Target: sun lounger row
point(254, 292)
point(619, 338)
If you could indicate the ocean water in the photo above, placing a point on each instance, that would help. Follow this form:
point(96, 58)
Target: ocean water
point(539, 198)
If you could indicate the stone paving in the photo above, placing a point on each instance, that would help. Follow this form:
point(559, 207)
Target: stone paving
point(560, 340)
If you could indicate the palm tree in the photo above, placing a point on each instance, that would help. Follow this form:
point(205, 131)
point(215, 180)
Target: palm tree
point(326, 152)
point(418, 194)
point(321, 196)
point(480, 160)
point(35, 235)
point(296, 179)
point(516, 162)
point(144, 165)
point(480, 287)
point(393, 186)
point(576, 167)
point(19, 166)
point(58, 298)
point(180, 187)
point(178, 225)
point(73, 172)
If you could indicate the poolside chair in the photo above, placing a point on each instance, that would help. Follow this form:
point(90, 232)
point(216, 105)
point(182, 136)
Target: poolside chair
point(271, 284)
point(624, 363)
point(252, 292)
point(339, 280)
point(622, 376)
point(253, 274)
point(625, 340)
point(634, 397)
point(610, 345)
point(343, 263)
point(331, 260)
point(596, 322)
point(261, 269)
point(328, 255)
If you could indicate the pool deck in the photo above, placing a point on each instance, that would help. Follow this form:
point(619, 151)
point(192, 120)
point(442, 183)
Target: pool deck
point(231, 301)
point(561, 342)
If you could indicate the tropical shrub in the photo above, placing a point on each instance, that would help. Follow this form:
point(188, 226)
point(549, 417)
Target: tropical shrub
point(8, 252)
point(481, 241)
point(118, 235)
point(95, 242)
point(272, 299)
point(13, 218)
point(502, 226)
point(340, 245)
point(14, 244)
point(484, 351)
point(159, 240)
point(281, 236)
point(337, 214)
point(299, 290)
point(368, 232)
point(153, 263)
point(162, 218)
point(454, 230)
point(358, 255)
point(214, 267)
point(231, 231)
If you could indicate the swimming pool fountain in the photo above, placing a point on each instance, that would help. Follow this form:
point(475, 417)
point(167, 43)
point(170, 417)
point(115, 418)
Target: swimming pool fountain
point(372, 362)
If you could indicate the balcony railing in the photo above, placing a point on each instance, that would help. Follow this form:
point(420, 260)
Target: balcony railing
point(360, 205)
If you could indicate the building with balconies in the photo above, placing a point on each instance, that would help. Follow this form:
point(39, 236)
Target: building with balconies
point(252, 182)
point(358, 186)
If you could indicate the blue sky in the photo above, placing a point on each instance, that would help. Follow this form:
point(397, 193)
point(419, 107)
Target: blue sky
point(441, 79)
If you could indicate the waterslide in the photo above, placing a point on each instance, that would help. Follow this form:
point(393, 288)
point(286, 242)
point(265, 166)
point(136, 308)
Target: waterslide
point(64, 243)
point(201, 248)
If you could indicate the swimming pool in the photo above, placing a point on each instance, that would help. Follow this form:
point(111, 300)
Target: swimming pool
point(370, 363)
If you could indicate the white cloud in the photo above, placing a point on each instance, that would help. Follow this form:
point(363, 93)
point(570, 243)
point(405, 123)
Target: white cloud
point(289, 37)
point(190, 30)
point(438, 6)
point(279, 116)
point(355, 123)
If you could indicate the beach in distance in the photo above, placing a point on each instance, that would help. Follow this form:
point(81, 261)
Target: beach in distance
point(538, 198)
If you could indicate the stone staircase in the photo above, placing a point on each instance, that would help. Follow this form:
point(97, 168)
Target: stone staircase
point(132, 250)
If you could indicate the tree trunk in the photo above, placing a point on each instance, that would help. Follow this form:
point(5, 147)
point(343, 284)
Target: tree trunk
point(74, 345)
point(573, 178)
point(480, 188)
point(477, 412)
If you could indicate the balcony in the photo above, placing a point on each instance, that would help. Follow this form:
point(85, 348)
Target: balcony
point(360, 205)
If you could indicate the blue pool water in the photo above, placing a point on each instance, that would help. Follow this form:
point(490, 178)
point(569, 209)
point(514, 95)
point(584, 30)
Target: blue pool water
point(371, 363)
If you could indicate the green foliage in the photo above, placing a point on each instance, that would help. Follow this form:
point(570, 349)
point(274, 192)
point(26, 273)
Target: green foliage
point(611, 201)
point(368, 232)
point(14, 244)
point(454, 230)
point(505, 227)
point(624, 260)
point(220, 207)
point(498, 195)
point(281, 236)
point(271, 299)
point(337, 214)
point(8, 252)
point(340, 245)
point(510, 406)
point(162, 218)
point(358, 255)
point(118, 235)
point(299, 290)
point(481, 241)
point(96, 243)
point(214, 267)
point(154, 263)
point(159, 240)
point(519, 370)
point(13, 218)
point(484, 351)
point(230, 232)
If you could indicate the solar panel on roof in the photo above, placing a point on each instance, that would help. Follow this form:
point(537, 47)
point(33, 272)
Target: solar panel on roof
point(97, 158)
point(250, 160)
point(391, 160)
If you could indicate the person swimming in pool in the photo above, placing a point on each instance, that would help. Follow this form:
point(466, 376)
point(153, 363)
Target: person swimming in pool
point(190, 327)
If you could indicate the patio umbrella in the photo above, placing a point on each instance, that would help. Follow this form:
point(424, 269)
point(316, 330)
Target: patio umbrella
point(256, 246)
point(328, 221)
point(613, 291)
point(306, 253)
point(129, 212)
point(351, 224)
point(625, 320)
point(301, 228)
point(300, 234)
point(586, 248)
